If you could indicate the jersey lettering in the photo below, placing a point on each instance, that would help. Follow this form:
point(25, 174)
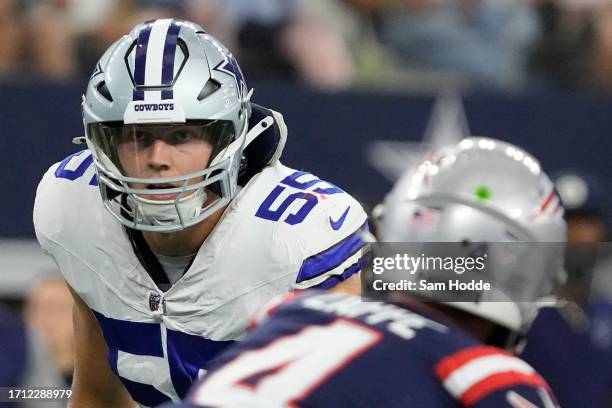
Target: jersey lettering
point(269, 210)
point(67, 171)
point(290, 368)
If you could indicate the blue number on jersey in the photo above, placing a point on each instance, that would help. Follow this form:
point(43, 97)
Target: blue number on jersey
point(63, 172)
point(310, 200)
point(184, 355)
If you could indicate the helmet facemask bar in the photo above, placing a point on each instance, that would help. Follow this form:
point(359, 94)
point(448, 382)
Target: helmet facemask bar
point(165, 204)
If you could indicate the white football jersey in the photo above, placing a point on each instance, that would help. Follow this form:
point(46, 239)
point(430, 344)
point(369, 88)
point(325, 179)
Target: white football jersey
point(285, 229)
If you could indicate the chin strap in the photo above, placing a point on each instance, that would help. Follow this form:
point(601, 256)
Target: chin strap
point(280, 121)
point(264, 143)
point(277, 134)
point(258, 129)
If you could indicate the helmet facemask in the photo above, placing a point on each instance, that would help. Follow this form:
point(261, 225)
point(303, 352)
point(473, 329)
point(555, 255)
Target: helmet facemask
point(165, 204)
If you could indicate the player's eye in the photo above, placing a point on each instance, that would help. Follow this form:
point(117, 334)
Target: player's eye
point(142, 137)
point(180, 136)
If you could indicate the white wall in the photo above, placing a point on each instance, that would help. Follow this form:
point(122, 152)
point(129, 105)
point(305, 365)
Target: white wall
point(21, 262)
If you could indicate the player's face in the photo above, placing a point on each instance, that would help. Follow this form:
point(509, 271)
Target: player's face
point(161, 152)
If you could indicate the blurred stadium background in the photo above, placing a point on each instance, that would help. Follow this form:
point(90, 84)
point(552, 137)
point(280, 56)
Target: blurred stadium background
point(357, 82)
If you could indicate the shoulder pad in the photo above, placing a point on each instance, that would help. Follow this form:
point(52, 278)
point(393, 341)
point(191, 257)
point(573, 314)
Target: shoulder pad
point(55, 205)
point(312, 222)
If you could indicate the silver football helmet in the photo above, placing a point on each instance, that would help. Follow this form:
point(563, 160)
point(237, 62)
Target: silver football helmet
point(484, 190)
point(170, 81)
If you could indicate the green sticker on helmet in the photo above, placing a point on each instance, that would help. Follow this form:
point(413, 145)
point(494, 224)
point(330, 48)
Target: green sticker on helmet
point(483, 193)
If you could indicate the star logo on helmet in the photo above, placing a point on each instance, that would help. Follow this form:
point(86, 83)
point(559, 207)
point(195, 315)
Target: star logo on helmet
point(229, 66)
point(97, 71)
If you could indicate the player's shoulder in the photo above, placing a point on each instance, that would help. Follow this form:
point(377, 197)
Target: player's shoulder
point(291, 185)
point(322, 224)
point(477, 374)
point(327, 216)
point(67, 190)
point(428, 337)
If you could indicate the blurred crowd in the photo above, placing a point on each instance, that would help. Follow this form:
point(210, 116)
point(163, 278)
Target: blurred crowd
point(37, 347)
point(335, 44)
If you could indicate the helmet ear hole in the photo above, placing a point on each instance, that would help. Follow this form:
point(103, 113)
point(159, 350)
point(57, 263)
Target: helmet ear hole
point(210, 87)
point(103, 90)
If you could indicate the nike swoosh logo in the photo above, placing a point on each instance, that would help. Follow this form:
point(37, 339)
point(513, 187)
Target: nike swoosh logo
point(337, 224)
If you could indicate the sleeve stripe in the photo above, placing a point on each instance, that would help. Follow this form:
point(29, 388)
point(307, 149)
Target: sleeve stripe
point(333, 280)
point(499, 381)
point(472, 374)
point(339, 270)
point(332, 257)
point(451, 363)
point(479, 369)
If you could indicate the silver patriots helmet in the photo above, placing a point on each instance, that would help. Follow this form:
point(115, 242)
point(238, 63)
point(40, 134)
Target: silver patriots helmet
point(484, 190)
point(170, 80)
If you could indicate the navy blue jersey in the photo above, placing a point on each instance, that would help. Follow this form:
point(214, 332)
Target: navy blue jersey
point(576, 363)
point(330, 350)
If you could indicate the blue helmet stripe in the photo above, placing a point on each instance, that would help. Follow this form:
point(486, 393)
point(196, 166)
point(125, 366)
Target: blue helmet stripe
point(168, 59)
point(167, 94)
point(140, 60)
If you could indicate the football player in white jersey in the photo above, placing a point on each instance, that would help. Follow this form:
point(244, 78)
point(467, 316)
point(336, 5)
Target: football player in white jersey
point(179, 221)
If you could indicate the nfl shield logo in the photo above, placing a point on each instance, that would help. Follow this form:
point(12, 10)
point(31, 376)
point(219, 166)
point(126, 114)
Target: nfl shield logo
point(154, 301)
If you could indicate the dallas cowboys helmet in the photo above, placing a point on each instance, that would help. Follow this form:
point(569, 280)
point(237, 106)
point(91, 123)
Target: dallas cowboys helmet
point(163, 73)
point(478, 191)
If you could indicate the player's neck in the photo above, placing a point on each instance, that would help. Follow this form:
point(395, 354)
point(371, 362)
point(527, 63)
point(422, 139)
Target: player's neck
point(477, 327)
point(184, 242)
